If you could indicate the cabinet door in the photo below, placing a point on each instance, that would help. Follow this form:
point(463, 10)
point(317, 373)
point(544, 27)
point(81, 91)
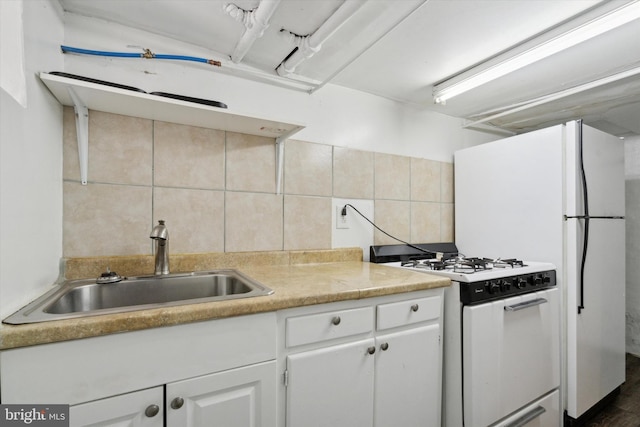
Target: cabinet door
point(243, 397)
point(407, 378)
point(331, 386)
point(138, 409)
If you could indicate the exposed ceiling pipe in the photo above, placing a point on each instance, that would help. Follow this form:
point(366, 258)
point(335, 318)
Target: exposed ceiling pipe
point(311, 44)
point(256, 21)
point(362, 52)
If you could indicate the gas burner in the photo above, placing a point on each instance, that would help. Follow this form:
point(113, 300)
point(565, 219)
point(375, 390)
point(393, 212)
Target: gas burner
point(511, 262)
point(427, 264)
point(471, 265)
point(409, 263)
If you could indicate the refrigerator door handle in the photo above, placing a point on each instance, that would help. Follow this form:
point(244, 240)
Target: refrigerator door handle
point(566, 217)
point(586, 219)
point(585, 195)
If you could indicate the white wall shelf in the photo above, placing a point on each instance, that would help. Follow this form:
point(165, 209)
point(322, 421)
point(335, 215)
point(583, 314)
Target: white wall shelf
point(99, 97)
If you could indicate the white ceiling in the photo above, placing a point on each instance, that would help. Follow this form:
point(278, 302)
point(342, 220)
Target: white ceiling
point(399, 49)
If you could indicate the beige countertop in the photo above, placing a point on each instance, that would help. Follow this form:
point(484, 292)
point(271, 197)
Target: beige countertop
point(336, 275)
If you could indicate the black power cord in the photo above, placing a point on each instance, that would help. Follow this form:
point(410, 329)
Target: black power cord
point(344, 213)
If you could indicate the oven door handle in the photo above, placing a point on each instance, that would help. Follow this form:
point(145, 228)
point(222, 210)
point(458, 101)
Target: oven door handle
point(526, 418)
point(526, 304)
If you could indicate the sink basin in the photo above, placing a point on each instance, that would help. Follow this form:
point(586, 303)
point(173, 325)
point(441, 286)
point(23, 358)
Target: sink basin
point(80, 298)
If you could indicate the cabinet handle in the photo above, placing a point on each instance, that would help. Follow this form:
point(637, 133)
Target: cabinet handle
point(336, 320)
point(529, 416)
point(152, 411)
point(371, 350)
point(384, 346)
point(526, 304)
point(415, 307)
point(177, 403)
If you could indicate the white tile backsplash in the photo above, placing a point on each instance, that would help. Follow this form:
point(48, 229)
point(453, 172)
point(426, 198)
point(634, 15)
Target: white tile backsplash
point(216, 191)
point(105, 219)
point(194, 217)
point(253, 222)
point(188, 156)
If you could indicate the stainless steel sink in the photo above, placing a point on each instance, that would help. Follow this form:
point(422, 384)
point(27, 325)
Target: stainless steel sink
point(80, 298)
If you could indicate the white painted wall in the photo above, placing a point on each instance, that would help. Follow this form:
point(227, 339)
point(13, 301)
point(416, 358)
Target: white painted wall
point(632, 174)
point(31, 167)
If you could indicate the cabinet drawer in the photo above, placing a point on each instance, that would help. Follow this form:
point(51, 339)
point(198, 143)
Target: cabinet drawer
point(408, 312)
point(326, 326)
point(545, 412)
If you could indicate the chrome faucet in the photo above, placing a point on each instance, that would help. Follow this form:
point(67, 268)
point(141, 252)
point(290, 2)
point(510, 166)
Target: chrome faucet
point(160, 234)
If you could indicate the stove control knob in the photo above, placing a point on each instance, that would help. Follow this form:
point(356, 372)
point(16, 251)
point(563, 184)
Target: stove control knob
point(546, 279)
point(493, 287)
point(521, 282)
point(505, 285)
point(537, 280)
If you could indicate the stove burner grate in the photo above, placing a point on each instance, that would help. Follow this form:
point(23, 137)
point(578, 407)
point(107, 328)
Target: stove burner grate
point(511, 262)
point(471, 265)
point(462, 264)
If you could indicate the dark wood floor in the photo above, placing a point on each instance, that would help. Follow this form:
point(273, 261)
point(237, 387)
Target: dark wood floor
point(624, 411)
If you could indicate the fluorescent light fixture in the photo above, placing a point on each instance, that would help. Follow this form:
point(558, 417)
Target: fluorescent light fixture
point(558, 95)
point(593, 28)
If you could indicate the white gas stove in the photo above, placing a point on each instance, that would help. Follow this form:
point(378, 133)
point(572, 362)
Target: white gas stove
point(501, 335)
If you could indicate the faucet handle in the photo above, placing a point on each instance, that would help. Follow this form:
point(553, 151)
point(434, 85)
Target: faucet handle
point(160, 231)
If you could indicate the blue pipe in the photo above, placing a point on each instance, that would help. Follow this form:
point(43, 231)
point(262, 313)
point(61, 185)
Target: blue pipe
point(147, 54)
point(68, 49)
point(181, 58)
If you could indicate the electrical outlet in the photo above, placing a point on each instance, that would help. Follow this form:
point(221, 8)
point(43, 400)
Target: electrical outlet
point(342, 221)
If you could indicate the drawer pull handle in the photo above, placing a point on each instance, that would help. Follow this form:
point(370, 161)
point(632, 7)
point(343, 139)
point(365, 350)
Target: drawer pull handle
point(152, 411)
point(415, 307)
point(384, 346)
point(526, 304)
point(336, 320)
point(526, 418)
point(371, 350)
point(177, 403)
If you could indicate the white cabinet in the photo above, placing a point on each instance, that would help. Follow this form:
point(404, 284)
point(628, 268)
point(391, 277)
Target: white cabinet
point(368, 362)
point(137, 409)
point(408, 378)
point(409, 362)
point(333, 386)
point(224, 372)
point(242, 397)
point(373, 362)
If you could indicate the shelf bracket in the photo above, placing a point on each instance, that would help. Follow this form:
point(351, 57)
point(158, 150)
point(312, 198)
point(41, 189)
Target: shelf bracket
point(280, 156)
point(82, 131)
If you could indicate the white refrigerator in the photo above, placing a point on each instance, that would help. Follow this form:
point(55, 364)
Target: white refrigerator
point(525, 197)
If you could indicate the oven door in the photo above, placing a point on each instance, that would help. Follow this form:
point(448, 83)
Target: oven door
point(510, 356)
